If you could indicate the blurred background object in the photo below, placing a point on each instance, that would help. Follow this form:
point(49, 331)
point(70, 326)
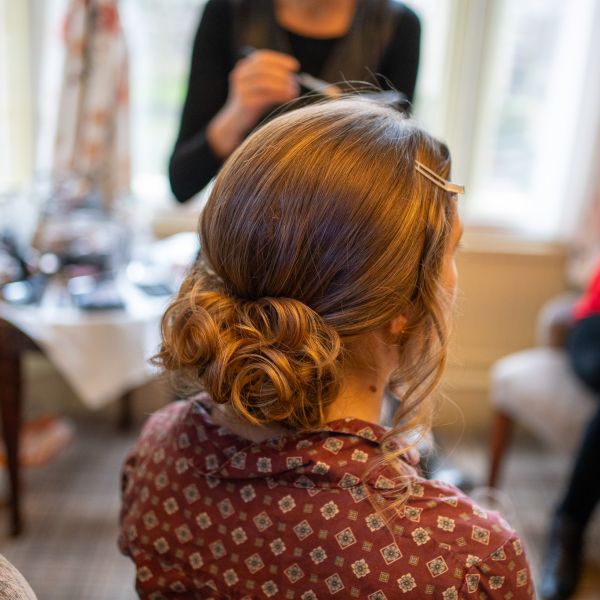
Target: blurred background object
point(92, 130)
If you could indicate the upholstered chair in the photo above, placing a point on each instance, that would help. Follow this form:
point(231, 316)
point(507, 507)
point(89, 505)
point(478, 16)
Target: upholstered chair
point(537, 389)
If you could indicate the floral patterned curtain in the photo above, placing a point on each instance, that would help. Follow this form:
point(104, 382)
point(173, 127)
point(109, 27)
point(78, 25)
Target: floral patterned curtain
point(93, 123)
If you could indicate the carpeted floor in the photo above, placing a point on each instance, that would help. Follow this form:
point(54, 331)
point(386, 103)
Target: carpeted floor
point(68, 551)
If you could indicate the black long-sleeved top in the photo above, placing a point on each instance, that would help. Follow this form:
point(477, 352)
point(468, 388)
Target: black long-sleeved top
point(193, 162)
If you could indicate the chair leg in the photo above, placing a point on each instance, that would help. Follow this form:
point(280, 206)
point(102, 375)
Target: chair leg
point(126, 411)
point(501, 433)
point(10, 409)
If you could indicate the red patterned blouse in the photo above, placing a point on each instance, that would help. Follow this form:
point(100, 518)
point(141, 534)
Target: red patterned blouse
point(208, 514)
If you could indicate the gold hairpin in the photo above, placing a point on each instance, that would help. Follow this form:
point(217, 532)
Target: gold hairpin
point(453, 188)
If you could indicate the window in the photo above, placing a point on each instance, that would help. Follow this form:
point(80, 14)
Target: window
point(435, 26)
point(530, 110)
point(513, 86)
point(159, 35)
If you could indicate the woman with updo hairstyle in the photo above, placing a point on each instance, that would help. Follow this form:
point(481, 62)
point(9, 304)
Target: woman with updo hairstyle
point(326, 276)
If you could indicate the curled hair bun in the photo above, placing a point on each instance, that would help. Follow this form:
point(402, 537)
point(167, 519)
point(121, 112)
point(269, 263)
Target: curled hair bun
point(274, 359)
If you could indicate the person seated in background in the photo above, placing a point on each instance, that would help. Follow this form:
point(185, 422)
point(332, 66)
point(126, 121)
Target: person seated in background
point(327, 273)
point(247, 56)
point(562, 565)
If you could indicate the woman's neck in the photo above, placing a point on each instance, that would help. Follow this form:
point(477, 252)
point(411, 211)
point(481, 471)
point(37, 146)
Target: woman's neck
point(369, 362)
point(371, 359)
point(316, 18)
point(361, 397)
point(226, 417)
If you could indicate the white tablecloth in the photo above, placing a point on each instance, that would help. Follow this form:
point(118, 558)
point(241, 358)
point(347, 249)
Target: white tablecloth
point(102, 354)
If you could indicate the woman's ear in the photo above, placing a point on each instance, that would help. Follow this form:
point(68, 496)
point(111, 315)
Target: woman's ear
point(397, 325)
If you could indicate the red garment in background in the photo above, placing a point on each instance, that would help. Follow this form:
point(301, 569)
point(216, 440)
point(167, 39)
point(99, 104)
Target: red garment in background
point(589, 303)
point(208, 514)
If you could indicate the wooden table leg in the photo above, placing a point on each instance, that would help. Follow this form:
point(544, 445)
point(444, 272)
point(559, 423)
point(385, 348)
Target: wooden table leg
point(126, 411)
point(13, 345)
point(10, 410)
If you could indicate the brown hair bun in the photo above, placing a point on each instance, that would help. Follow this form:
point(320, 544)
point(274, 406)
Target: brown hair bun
point(270, 358)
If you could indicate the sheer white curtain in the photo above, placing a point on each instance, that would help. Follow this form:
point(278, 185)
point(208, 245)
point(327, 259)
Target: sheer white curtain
point(16, 108)
point(47, 25)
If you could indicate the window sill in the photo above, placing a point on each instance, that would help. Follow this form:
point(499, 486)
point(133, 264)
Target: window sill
point(477, 240)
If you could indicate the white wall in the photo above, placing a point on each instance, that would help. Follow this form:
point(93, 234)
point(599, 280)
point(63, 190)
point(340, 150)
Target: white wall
point(503, 283)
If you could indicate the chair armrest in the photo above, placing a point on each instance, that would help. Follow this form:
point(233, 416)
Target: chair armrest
point(555, 319)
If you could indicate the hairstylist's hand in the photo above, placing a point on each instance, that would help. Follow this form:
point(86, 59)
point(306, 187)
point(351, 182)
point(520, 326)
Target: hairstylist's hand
point(262, 79)
point(259, 81)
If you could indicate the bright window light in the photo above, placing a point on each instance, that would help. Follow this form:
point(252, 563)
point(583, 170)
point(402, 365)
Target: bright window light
point(511, 85)
point(526, 128)
point(159, 37)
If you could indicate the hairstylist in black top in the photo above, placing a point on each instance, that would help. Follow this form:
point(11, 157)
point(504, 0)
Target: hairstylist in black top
point(334, 40)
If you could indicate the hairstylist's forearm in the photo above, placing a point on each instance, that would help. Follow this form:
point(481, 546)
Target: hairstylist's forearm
point(259, 81)
point(193, 164)
point(226, 131)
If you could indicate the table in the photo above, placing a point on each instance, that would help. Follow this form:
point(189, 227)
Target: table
point(125, 340)
point(102, 355)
